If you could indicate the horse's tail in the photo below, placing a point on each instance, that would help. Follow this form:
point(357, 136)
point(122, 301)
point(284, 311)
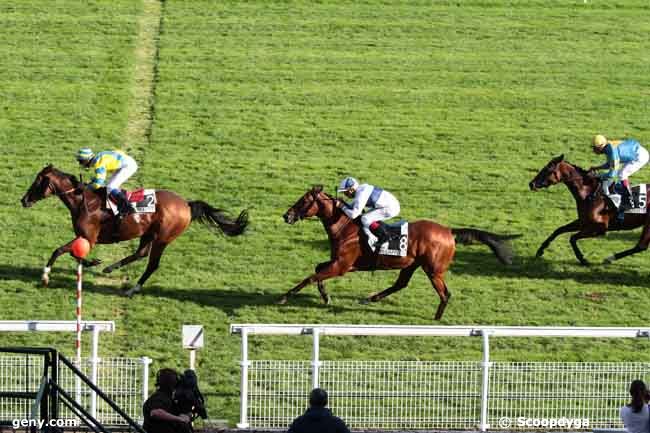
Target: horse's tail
point(216, 220)
point(498, 243)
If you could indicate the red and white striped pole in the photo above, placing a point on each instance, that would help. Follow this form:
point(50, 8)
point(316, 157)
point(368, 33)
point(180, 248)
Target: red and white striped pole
point(78, 312)
point(79, 249)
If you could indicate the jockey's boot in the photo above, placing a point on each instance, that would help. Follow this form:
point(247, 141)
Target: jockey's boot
point(382, 234)
point(123, 206)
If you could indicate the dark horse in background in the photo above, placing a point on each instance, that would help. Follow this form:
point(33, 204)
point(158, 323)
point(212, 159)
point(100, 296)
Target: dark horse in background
point(91, 220)
point(430, 246)
point(596, 215)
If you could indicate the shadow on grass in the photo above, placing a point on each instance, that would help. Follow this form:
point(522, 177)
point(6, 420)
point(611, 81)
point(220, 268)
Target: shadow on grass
point(471, 261)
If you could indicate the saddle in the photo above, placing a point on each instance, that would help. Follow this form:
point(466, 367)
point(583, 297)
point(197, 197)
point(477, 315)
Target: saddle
point(141, 200)
point(397, 244)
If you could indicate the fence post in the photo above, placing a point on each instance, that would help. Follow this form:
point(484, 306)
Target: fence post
point(243, 410)
point(315, 362)
point(485, 388)
point(145, 378)
point(94, 360)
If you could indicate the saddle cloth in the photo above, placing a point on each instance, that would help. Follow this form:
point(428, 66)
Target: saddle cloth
point(398, 243)
point(639, 196)
point(141, 200)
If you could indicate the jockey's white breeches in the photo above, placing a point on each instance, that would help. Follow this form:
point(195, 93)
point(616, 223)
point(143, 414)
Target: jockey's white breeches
point(390, 210)
point(123, 174)
point(633, 166)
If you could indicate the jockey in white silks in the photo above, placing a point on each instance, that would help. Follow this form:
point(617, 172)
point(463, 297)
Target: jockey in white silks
point(382, 203)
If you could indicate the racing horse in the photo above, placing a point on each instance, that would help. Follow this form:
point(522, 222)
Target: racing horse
point(430, 246)
point(596, 215)
point(91, 220)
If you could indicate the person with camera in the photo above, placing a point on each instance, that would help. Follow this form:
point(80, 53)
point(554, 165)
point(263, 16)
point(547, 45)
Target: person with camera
point(635, 415)
point(188, 397)
point(160, 411)
point(318, 418)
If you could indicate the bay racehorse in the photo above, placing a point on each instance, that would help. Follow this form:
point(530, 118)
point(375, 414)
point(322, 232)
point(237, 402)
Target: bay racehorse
point(430, 246)
point(91, 220)
point(596, 215)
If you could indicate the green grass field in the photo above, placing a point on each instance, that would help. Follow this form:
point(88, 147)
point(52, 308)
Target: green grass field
point(452, 106)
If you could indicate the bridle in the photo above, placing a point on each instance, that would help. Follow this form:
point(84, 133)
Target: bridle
point(315, 197)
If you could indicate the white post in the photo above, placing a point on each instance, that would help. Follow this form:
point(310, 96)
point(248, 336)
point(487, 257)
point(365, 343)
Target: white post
point(192, 359)
point(315, 362)
point(243, 413)
point(485, 389)
point(94, 361)
point(145, 383)
point(145, 378)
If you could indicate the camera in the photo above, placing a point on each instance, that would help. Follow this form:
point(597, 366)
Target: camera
point(188, 397)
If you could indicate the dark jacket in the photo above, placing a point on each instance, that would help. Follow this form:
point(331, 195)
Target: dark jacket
point(161, 400)
point(318, 420)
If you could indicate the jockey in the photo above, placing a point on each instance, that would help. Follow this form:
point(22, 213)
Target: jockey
point(383, 204)
point(114, 165)
point(624, 158)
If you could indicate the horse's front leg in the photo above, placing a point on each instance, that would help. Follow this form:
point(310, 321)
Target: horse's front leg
point(573, 226)
point(45, 278)
point(330, 270)
point(590, 232)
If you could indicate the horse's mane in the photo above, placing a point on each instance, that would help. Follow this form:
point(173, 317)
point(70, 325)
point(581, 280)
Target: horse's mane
point(71, 177)
point(584, 173)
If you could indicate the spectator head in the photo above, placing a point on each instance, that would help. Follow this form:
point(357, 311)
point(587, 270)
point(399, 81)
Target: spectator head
point(639, 393)
point(166, 379)
point(318, 398)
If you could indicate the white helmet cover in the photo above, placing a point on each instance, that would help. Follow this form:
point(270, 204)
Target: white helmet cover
point(347, 183)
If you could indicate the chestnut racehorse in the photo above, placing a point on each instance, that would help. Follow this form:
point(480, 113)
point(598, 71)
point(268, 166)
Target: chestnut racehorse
point(91, 220)
point(595, 215)
point(430, 246)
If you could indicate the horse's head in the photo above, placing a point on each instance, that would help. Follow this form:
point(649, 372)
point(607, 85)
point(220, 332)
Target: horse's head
point(307, 206)
point(48, 181)
point(551, 174)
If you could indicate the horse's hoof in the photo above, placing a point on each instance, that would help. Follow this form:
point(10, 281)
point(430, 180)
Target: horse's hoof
point(133, 291)
point(45, 281)
point(539, 254)
point(365, 301)
point(609, 260)
point(327, 300)
point(585, 263)
point(107, 270)
point(282, 300)
point(95, 262)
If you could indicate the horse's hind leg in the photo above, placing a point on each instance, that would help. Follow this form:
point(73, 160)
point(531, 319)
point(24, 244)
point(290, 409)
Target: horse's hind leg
point(157, 249)
point(140, 253)
point(402, 281)
point(436, 276)
point(441, 287)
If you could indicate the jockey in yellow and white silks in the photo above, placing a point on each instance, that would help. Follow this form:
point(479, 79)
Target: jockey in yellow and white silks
point(382, 203)
point(110, 169)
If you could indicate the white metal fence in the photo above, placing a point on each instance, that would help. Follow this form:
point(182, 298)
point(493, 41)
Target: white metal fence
point(124, 380)
point(439, 395)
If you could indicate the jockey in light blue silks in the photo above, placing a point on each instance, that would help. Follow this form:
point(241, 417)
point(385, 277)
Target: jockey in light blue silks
point(110, 169)
point(383, 206)
point(624, 158)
